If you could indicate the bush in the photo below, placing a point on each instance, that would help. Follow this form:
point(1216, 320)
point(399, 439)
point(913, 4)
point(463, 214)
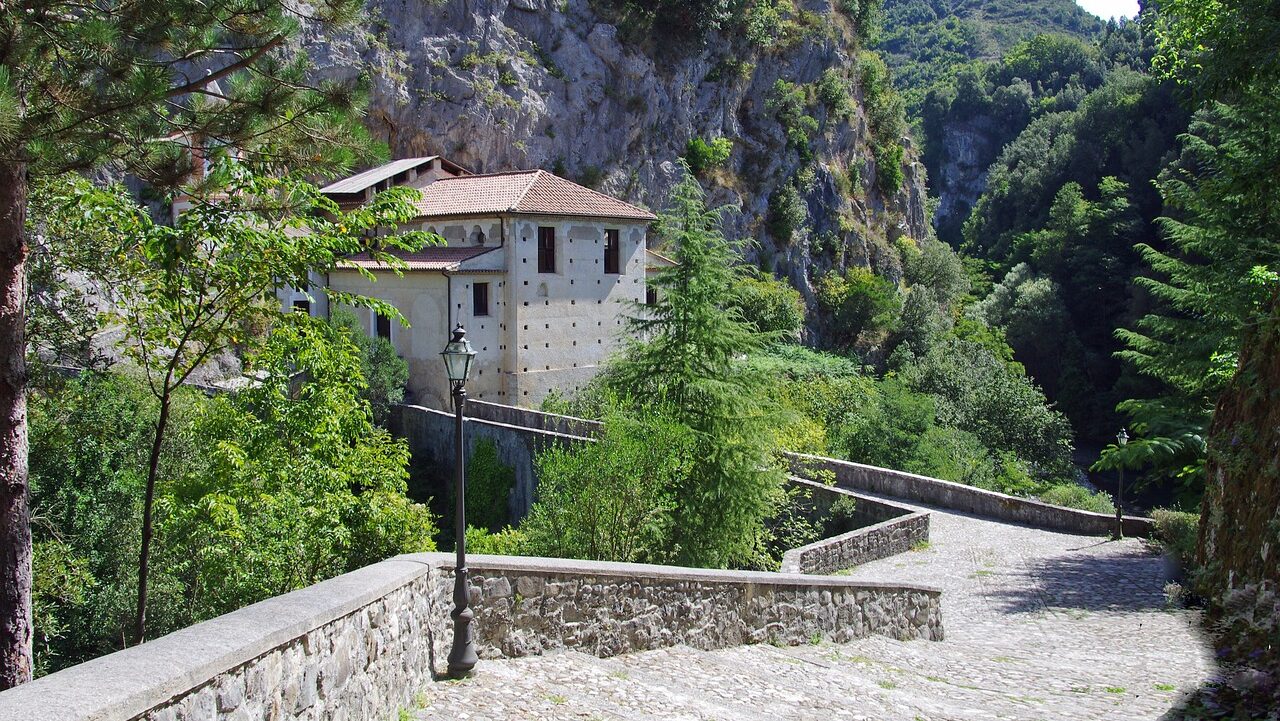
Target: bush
point(858, 302)
point(1177, 532)
point(889, 175)
point(787, 212)
point(489, 484)
point(788, 103)
point(611, 500)
point(506, 542)
point(1074, 495)
point(385, 372)
point(703, 156)
point(772, 305)
point(763, 24)
point(833, 91)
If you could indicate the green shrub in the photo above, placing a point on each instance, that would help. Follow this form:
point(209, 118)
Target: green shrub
point(1074, 495)
point(489, 484)
point(591, 176)
point(787, 212)
point(506, 542)
point(772, 305)
point(833, 91)
point(1177, 532)
point(889, 174)
point(703, 156)
point(858, 302)
point(789, 105)
point(385, 372)
point(763, 24)
point(611, 500)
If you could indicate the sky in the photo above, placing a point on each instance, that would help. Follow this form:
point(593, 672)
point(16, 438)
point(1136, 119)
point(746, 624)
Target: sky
point(1110, 8)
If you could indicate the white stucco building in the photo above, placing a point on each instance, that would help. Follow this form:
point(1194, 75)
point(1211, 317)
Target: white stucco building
point(538, 269)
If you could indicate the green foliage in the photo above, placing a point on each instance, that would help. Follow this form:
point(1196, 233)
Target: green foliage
point(489, 484)
point(787, 212)
point(889, 173)
point(977, 392)
point(615, 499)
point(790, 106)
point(833, 92)
point(300, 485)
point(703, 156)
point(385, 372)
point(885, 108)
point(771, 305)
point(684, 359)
point(1177, 532)
point(505, 542)
point(117, 83)
point(763, 24)
point(1074, 495)
point(860, 305)
point(274, 488)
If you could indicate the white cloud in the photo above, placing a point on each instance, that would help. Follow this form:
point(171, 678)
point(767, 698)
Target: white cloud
point(1106, 9)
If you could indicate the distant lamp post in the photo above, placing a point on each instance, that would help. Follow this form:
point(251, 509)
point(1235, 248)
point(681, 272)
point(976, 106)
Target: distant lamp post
point(1122, 438)
point(458, 356)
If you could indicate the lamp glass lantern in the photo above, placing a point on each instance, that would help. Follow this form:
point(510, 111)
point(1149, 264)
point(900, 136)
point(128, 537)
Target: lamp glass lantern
point(1122, 438)
point(458, 356)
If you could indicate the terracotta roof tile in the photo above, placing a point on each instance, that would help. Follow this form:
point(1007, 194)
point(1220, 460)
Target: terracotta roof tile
point(534, 192)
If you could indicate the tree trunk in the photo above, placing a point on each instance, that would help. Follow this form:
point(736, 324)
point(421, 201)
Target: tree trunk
point(144, 556)
point(15, 512)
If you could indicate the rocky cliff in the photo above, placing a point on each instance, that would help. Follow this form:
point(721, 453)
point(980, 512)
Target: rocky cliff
point(501, 84)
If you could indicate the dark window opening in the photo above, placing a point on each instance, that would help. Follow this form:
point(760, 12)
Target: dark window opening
point(384, 327)
point(612, 251)
point(650, 296)
point(302, 305)
point(546, 250)
point(480, 299)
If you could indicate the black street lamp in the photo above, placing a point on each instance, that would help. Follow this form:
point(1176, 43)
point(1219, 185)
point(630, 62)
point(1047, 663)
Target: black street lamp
point(1122, 438)
point(458, 356)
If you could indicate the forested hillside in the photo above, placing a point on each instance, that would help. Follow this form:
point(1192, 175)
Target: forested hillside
point(924, 39)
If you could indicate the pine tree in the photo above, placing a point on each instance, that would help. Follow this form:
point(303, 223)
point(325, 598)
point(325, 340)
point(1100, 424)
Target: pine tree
point(685, 357)
point(148, 86)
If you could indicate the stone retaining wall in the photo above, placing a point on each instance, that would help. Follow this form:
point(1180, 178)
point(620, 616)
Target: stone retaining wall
point(967, 499)
point(527, 418)
point(893, 529)
point(360, 646)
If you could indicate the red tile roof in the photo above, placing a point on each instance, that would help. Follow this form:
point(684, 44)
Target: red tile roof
point(533, 192)
point(425, 259)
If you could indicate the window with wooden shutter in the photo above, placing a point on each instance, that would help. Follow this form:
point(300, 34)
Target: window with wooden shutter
point(612, 251)
point(546, 250)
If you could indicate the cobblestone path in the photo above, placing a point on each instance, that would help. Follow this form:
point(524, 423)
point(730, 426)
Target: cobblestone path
point(1039, 625)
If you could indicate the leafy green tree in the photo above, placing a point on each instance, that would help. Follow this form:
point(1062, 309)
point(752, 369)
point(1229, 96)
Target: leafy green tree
point(489, 484)
point(300, 484)
point(977, 392)
point(862, 306)
point(198, 283)
point(150, 86)
point(684, 357)
point(385, 372)
point(616, 499)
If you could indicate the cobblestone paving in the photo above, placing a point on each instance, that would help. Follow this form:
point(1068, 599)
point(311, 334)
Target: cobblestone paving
point(1040, 625)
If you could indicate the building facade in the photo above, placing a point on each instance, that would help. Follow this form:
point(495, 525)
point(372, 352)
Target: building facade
point(539, 270)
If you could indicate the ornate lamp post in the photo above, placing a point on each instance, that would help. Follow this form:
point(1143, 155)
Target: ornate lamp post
point(458, 356)
point(1122, 438)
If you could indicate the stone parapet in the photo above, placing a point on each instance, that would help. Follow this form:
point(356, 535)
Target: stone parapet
point(967, 499)
point(360, 646)
point(902, 529)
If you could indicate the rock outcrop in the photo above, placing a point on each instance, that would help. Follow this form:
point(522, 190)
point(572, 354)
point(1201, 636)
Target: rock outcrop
point(504, 84)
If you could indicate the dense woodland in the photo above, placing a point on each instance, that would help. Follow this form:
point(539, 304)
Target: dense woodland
point(1118, 268)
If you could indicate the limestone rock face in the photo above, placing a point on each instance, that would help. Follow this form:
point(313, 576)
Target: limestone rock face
point(504, 84)
point(968, 149)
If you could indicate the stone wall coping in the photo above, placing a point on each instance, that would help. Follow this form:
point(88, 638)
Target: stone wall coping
point(131, 682)
point(995, 498)
point(487, 422)
point(502, 408)
point(864, 531)
point(879, 500)
point(650, 572)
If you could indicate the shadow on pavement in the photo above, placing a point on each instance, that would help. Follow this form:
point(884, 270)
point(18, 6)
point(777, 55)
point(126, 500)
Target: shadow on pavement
point(1132, 580)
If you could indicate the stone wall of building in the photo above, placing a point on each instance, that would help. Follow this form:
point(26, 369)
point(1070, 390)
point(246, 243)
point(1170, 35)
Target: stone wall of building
point(883, 529)
point(362, 645)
